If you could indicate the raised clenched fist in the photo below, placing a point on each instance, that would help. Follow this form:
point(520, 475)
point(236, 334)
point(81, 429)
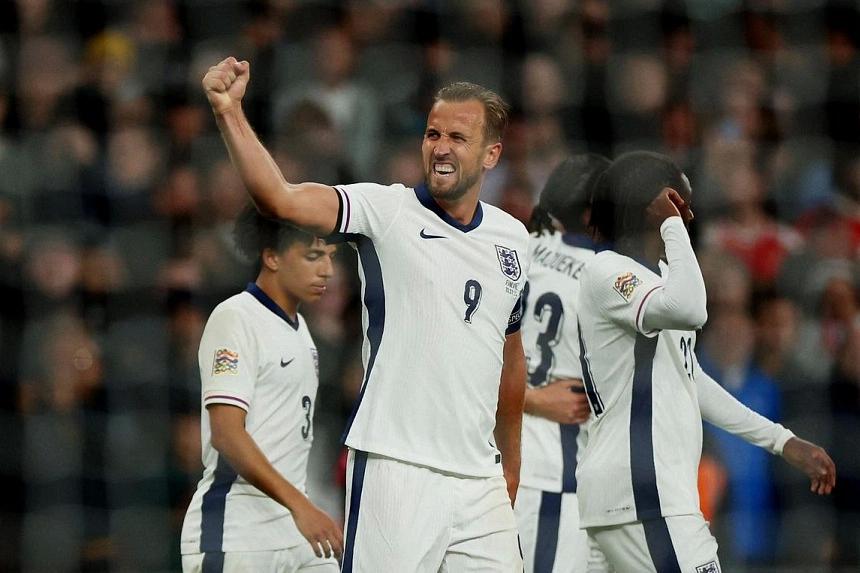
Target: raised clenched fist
point(225, 84)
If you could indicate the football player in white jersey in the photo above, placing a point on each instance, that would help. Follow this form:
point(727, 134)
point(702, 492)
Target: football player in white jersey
point(555, 404)
point(640, 306)
point(258, 368)
point(435, 436)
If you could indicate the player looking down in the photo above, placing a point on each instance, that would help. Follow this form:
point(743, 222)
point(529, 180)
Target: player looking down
point(258, 369)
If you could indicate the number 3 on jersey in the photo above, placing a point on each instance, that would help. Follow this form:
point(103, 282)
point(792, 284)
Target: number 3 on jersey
point(548, 311)
point(472, 298)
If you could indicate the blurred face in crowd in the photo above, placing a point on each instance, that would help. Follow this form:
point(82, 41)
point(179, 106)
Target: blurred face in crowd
point(455, 151)
point(777, 325)
point(302, 270)
point(839, 301)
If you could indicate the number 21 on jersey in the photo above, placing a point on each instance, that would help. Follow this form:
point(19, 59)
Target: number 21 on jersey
point(549, 312)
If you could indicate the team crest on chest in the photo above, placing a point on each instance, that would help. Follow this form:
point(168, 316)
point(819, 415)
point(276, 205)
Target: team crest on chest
point(509, 262)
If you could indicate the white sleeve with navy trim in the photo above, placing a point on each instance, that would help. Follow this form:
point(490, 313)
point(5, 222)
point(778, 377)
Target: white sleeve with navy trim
point(228, 360)
point(369, 209)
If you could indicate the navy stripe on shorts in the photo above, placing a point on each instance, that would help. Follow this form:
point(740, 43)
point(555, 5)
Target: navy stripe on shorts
point(359, 465)
point(546, 544)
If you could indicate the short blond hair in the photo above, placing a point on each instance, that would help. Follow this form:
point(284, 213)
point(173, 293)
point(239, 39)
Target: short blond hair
point(495, 108)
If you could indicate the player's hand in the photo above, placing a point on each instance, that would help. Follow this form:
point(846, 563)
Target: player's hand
point(225, 84)
point(664, 205)
point(324, 535)
point(814, 462)
point(562, 401)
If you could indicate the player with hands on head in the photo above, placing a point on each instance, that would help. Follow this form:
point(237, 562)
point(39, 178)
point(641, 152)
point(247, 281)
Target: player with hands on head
point(641, 305)
point(436, 429)
point(259, 374)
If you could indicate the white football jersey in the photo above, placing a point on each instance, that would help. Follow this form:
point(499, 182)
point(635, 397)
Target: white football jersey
point(253, 356)
point(439, 298)
point(551, 341)
point(646, 426)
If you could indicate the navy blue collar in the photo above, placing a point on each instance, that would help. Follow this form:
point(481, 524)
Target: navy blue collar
point(579, 240)
point(584, 241)
point(267, 301)
point(424, 197)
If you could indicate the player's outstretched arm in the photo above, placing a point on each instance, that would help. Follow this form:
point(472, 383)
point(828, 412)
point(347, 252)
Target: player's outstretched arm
point(509, 414)
point(233, 442)
point(814, 462)
point(311, 206)
point(724, 411)
point(563, 402)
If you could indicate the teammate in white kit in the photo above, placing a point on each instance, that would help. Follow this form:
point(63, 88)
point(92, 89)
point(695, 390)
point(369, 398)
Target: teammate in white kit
point(638, 320)
point(434, 440)
point(258, 367)
point(555, 405)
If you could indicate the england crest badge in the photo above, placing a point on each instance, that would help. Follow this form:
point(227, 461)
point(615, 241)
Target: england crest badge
point(509, 261)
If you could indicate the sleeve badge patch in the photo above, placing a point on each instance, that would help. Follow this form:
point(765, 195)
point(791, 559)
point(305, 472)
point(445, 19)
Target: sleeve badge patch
point(710, 567)
point(626, 284)
point(226, 362)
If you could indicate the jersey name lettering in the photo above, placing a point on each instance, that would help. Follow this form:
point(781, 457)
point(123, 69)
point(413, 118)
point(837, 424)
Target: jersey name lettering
point(559, 262)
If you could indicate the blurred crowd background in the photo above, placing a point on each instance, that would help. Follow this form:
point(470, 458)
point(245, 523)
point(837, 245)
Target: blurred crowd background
point(117, 200)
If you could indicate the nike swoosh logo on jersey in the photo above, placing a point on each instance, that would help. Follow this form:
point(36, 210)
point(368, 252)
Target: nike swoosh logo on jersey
point(287, 363)
point(424, 235)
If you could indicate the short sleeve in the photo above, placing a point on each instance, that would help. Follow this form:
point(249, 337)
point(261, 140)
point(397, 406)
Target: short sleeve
point(621, 290)
point(368, 208)
point(228, 360)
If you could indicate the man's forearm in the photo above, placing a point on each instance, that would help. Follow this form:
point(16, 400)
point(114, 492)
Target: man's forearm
point(724, 411)
point(532, 403)
point(255, 165)
point(246, 458)
point(509, 413)
point(507, 434)
point(509, 423)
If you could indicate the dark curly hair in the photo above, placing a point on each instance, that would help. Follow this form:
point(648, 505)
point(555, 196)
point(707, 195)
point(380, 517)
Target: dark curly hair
point(625, 190)
point(253, 232)
point(567, 193)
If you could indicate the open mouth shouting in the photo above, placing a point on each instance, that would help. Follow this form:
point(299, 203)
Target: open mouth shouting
point(443, 169)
